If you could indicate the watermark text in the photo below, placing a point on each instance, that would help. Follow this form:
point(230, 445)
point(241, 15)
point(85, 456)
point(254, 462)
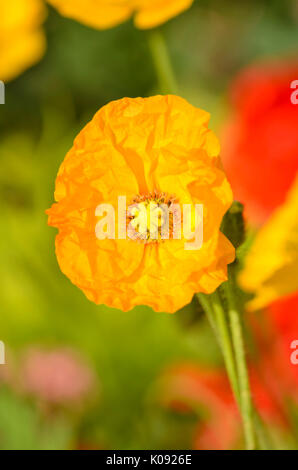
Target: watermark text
point(150, 221)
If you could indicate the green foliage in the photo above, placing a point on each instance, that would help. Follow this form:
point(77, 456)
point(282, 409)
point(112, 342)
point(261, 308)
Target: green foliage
point(233, 226)
point(22, 428)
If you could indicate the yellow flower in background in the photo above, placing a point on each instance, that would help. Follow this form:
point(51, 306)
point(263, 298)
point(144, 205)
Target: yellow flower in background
point(271, 269)
point(148, 149)
point(103, 14)
point(22, 41)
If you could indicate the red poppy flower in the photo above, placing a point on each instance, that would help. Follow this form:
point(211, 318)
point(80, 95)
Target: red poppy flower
point(284, 316)
point(276, 335)
point(260, 143)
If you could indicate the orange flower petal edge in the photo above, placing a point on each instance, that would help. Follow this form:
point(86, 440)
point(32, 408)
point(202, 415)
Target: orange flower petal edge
point(104, 14)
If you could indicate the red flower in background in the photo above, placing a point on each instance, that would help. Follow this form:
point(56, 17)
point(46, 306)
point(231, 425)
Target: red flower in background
point(260, 144)
point(283, 318)
point(188, 387)
point(207, 392)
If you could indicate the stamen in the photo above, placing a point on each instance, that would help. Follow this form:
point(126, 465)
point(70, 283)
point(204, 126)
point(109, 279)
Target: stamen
point(153, 217)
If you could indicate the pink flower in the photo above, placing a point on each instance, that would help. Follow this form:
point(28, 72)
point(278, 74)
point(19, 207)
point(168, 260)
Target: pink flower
point(58, 376)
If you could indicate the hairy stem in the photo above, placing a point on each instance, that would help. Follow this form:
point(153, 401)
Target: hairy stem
point(243, 378)
point(216, 316)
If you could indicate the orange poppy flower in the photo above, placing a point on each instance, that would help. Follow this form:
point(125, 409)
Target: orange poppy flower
point(103, 14)
point(22, 41)
point(146, 149)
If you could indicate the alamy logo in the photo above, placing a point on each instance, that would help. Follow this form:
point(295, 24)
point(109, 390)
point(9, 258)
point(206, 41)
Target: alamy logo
point(294, 95)
point(2, 93)
point(294, 354)
point(151, 218)
point(2, 353)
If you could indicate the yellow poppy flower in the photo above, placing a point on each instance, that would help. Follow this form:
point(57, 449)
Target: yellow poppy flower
point(22, 42)
point(103, 14)
point(271, 269)
point(148, 150)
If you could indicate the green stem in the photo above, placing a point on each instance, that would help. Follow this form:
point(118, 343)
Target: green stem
point(162, 62)
point(238, 343)
point(207, 307)
point(219, 319)
point(263, 438)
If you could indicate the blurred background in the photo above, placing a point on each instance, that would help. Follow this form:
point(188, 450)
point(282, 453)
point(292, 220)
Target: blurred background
point(81, 376)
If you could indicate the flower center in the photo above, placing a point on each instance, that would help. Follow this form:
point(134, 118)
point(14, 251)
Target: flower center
point(152, 217)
